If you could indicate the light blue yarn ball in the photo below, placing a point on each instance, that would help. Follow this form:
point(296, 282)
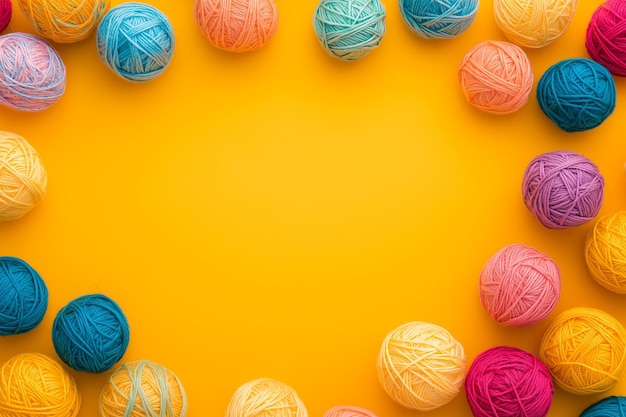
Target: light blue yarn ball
point(136, 41)
point(91, 333)
point(23, 297)
point(577, 94)
point(439, 19)
point(349, 29)
point(613, 406)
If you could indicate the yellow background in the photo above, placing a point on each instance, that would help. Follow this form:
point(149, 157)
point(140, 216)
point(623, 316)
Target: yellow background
point(277, 213)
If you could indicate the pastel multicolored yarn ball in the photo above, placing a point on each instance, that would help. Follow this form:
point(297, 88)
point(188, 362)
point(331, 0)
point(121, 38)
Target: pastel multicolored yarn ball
point(143, 389)
point(64, 21)
point(605, 252)
point(136, 41)
point(438, 19)
point(421, 366)
point(266, 397)
point(519, 286)
point(508, 381)
point(33, 384)
point(32, 74)
point(496, 77)
point(23, 178)
point(23, 299)
point(613, 406)
point(534, 23)
point(585, 350)
point(237, 25)
point(90, 333)
point(6, 12)
point(563, 189)
point(606, 36)
point(349, 411)
point(349, 29)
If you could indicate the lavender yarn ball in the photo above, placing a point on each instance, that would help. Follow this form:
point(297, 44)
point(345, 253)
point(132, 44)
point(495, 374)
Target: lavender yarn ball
point(563, 189)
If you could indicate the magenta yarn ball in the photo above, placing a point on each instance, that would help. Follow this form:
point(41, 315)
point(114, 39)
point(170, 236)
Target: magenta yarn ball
point(606, 36)
point(507, 381)
point(6, 10)
point(563, 189)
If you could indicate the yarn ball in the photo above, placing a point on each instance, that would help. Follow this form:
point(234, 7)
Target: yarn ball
point(6, 11)
point(438, 19)
point(143, 389)
point(237, 25)
point(605, 252)
point(533, 23)
point(496, 77)
point(562, 189)
point(32, 74)
point(64, 21)
point(23, 178)
point(606, 36)
point(519, 286)
point(135, 41)
point(349, 29)
point(265, 397)
point(585, 350)
point(349, 411)
point(507, 381)
point(23, 299)
point(91, 333)
point(613, 406)
point(33, 384)
point(421, 366)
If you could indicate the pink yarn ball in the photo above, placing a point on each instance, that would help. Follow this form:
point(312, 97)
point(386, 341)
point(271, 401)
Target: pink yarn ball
point(349, 411)
point(506, 382)
point(6, 10)
point(606, 36)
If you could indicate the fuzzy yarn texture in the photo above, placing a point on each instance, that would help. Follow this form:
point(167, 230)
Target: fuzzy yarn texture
point(349, 411)
point(496, 77)
point(585, 350)
point(349, 29)
point(440, 19)
point(562, 189)
point(6, 12)
point(605, 252)
point(606, 36)
point(265, 397)
point(613, 406)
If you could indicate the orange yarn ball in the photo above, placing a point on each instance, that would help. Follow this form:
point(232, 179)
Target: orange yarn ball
point(605, 252)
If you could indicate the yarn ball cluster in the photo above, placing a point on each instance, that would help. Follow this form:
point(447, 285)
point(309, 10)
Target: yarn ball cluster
point(496, 77)
point(585, 350)
point(438, 19)
point(135, 41)
point(90, 333)
point(349, 411)
point(613, 406)
point(508, 381)
point(562, 189)
point(265, 397)
point(605, 252)
point(349, 29)
point(606, 36)
point(6, 12)
point(421, 366)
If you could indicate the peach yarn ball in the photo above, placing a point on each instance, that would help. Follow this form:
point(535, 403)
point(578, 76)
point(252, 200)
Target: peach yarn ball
point(237, 25)
point(265, 397)
point(605, 252)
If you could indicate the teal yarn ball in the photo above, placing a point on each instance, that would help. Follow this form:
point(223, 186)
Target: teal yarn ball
point(136, 41)
point(23, 297)
point(577, 94)
point(440, 19)
point(613, 406)
point(349, 29)
point(91, 333)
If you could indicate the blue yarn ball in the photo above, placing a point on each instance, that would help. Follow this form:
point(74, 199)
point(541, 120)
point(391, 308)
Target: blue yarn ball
point(91, 333)
point(577, 94)
point(136, 41)
point(23, 297)
point(613, 406)
point(440, 19)
point(349, 29)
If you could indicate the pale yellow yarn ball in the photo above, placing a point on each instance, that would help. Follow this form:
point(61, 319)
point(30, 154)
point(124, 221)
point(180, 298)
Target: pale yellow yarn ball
point(265, 397)
point(533, 23)
point(605, 252)
point(421, 366)
point(23, 178)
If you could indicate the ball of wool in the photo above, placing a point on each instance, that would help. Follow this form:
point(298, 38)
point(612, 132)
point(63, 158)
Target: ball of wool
point(605, 252)
point(64, 21)
point(585, 350)
point(349, 29)
point(143, 389)
point(562, 189)
point(348, 411)
point(421, 366)
point(23, 299)
point(507, 381)
point(32, 74)
point(265, 397)
point(438, 19)
point(613, 406)
point(91, 333)
point(237, 25)
point(6, 11)
point(533, 23)
point(135, 41)
point(606, 36)
point(496, 77)
point(519, 286)
point(32, 384)
point(23, 178)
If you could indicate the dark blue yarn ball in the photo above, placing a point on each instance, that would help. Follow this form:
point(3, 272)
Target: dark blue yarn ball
point(438, 19)
point(614, 406)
